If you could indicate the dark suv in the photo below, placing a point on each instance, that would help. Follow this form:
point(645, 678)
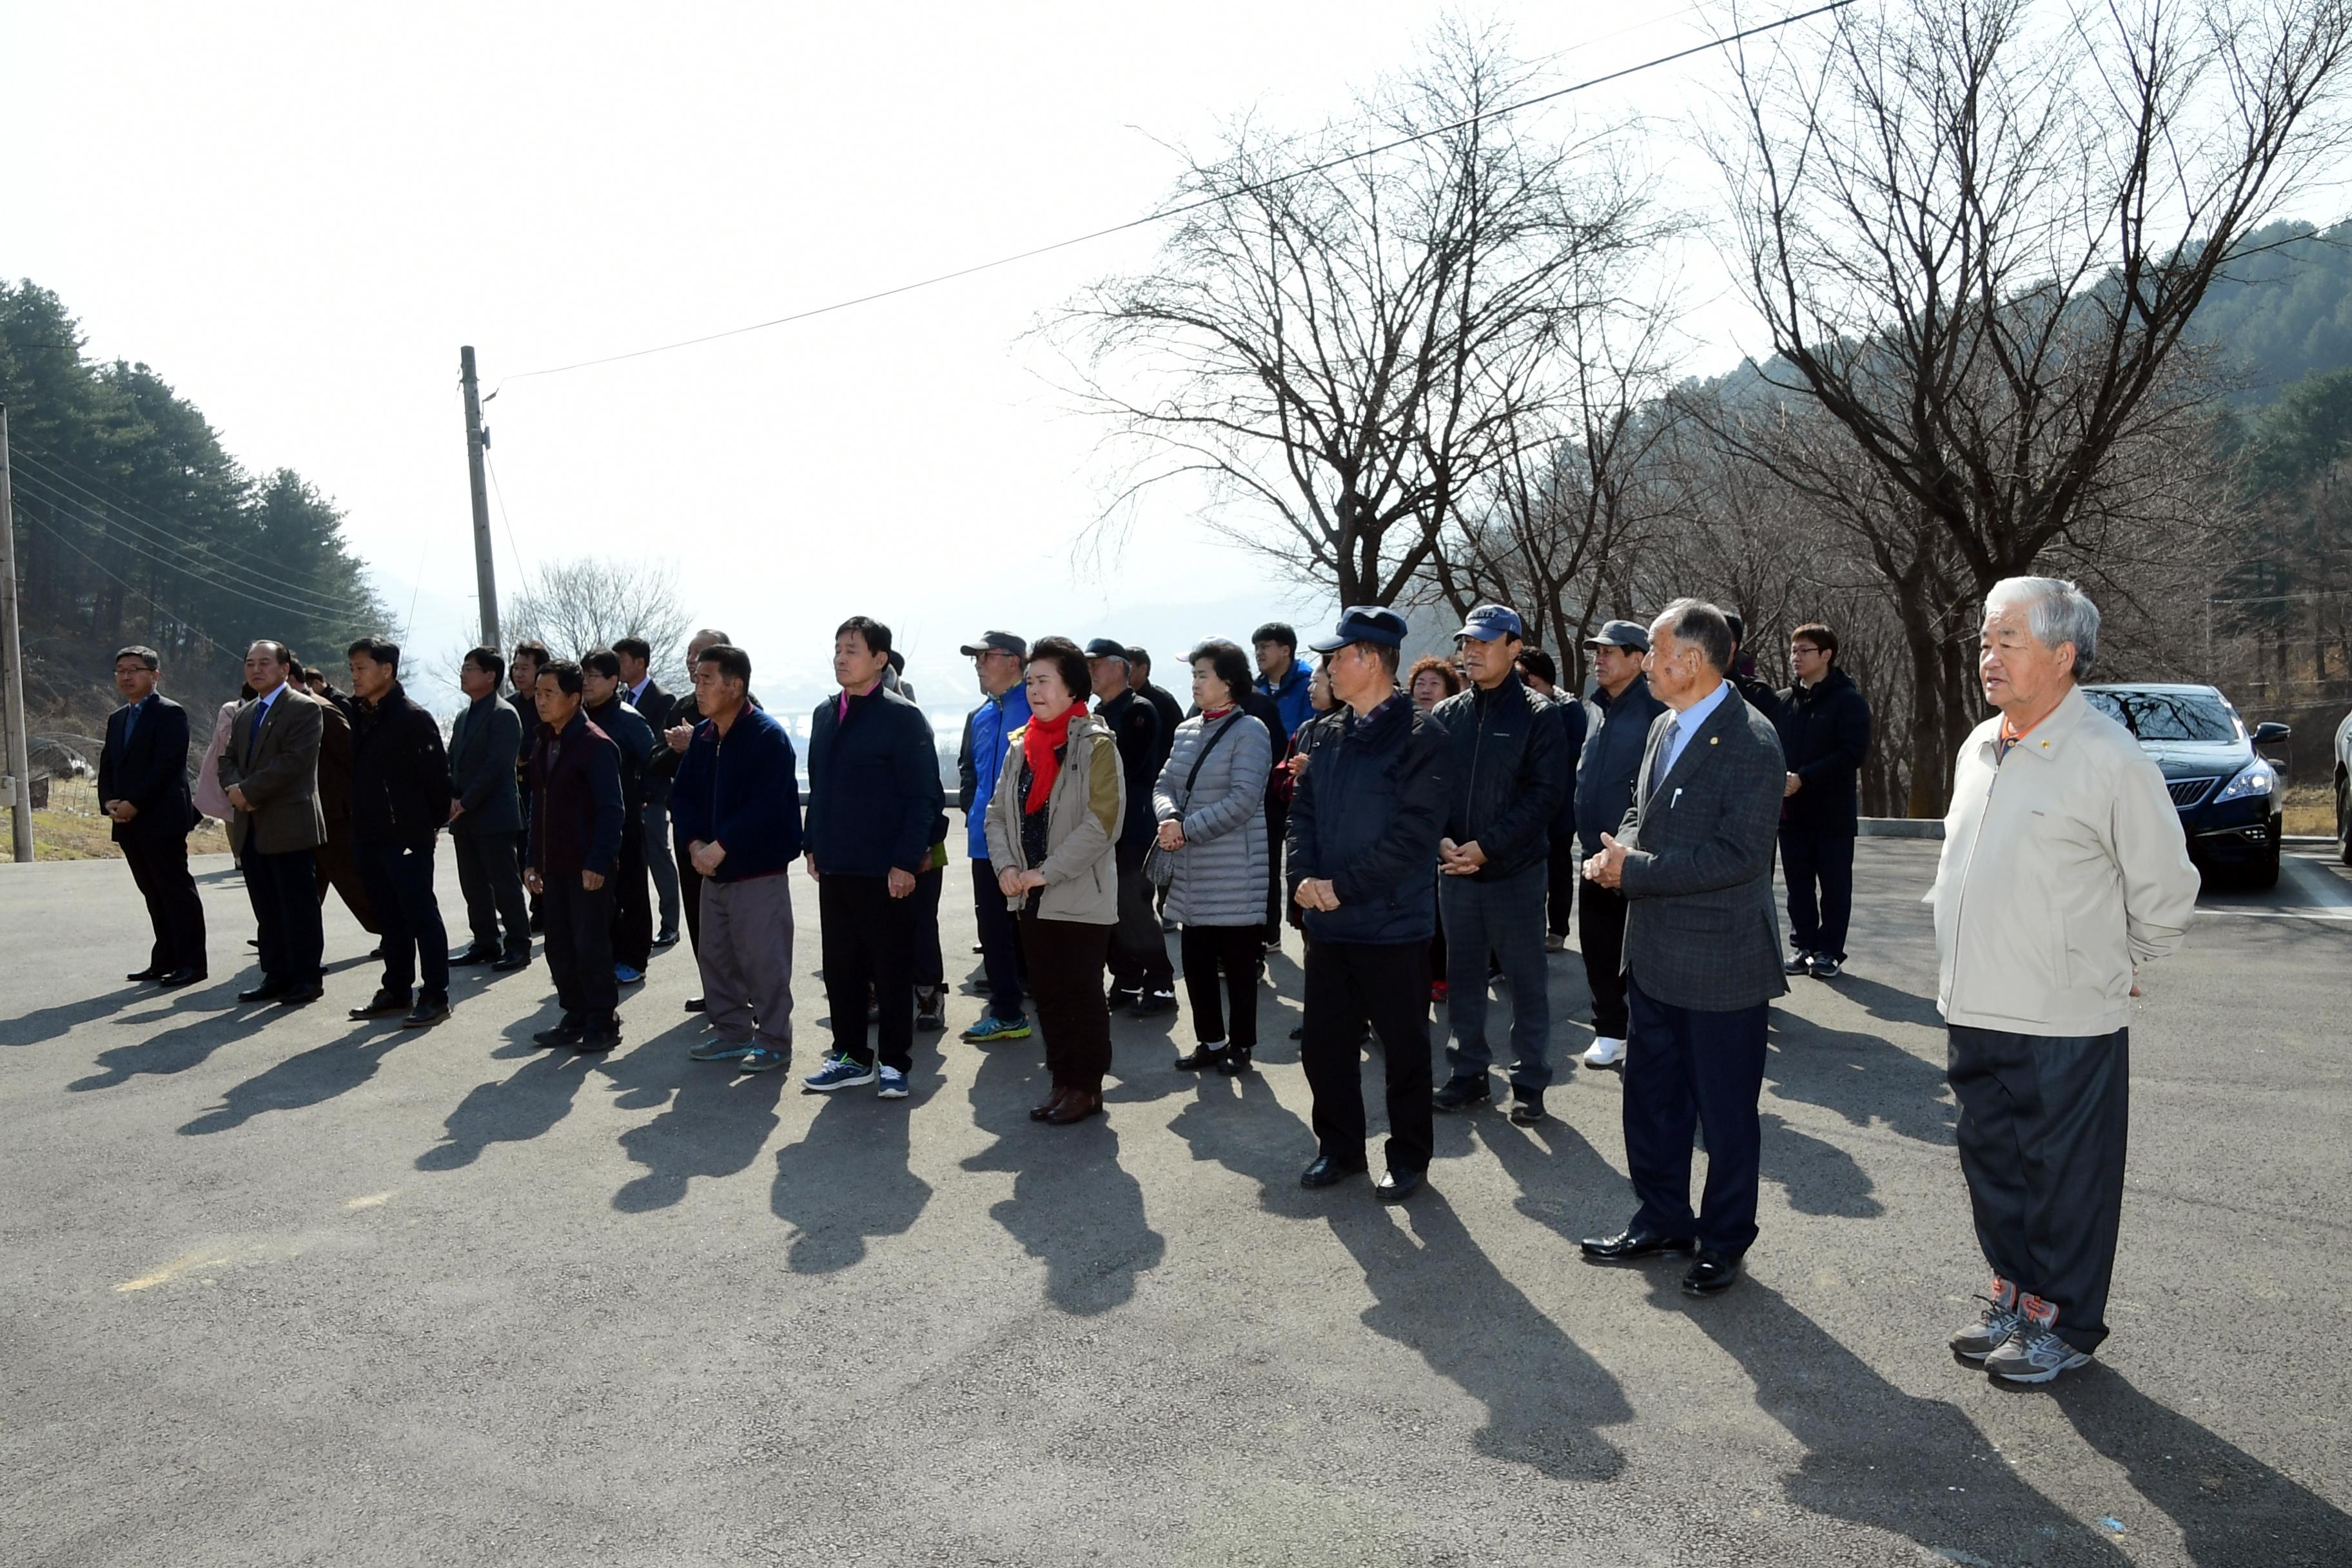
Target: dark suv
point(2230, 798)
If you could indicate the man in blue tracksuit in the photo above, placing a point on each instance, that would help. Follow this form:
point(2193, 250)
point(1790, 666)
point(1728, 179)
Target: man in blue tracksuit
point(997, 659)
point(735, 804)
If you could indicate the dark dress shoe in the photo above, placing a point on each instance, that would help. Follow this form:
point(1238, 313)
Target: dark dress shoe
point(601, 1036)
point(383, 1002)
point(1236, 1062)
point(510, 963)
point(1631, 1245)
point(1327, 1170)
point(1459, 1093)
point(1714, 1273)
point(301, 995)
point(1527, 1110)
point(179, 977)
point(564, 1034)
point(267, 991)
point(1201, 1059)
point(694, 1005)
point(1076, 1106)
point(1051, 1102)
point(430, 1009)
point(665, 939)
point(153, 972)
point(1397, 1185)
point(474, 955)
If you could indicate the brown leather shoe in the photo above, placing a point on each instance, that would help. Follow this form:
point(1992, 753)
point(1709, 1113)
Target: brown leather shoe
point(1053, 1103)
point(1075, 1105)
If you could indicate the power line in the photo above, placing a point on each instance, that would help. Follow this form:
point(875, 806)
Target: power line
point(1182, 208)
point(201, 635)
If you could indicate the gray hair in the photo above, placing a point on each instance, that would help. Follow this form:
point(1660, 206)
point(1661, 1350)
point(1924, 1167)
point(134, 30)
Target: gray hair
point(2056, 611)
point(1704, 627)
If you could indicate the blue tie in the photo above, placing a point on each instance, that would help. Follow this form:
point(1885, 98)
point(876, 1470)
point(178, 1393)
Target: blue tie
point(130, 721)
point(258, 715)
point(1664, 763)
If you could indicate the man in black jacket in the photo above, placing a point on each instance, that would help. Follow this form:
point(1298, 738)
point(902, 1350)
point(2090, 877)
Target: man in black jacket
point(1536, 668)
point(1362, 863)
point(575, 837)
point(640, 691)
point(1494, 862)
point(1623, 711)
point(142, 787)
point(1170, 711)
point(1824, 726)
point(875, 805)
point(1140, 976)
point(400, 801)
point(531, 655)
point(1742, 675)
point(633, 909)
point(486, 815)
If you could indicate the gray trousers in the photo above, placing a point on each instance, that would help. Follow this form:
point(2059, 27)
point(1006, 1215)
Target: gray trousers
point(746, 958)
point(662, 863)
point(1505, 918)
point(2042, 1120)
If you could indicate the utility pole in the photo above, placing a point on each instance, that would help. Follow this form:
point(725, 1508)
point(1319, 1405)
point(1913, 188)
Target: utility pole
point(18, 762)
point(486, 583)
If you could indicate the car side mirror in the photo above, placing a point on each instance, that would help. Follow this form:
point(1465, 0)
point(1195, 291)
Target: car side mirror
point(2270, 735)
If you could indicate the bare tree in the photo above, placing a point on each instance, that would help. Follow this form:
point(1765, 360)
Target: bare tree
point(1977, 237)
point(1352, 351)
point(578, 607)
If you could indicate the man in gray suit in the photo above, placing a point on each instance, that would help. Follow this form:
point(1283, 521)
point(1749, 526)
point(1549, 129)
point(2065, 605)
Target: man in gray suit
point(486, 816)
point(270, 772)
point(1694, 861)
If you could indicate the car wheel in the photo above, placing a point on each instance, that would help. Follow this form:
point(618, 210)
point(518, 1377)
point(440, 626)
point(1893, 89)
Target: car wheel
point(2264, 871)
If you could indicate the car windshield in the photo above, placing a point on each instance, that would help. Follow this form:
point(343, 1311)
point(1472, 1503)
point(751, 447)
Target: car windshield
point(2168, 715)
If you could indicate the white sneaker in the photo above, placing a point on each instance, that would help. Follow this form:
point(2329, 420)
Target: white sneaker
point(1605, 1053)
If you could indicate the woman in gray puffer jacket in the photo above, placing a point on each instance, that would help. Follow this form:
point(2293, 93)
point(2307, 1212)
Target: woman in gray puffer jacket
point(1212, 823)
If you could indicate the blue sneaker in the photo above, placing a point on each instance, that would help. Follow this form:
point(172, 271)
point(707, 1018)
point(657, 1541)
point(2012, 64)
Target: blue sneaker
point(991, 1029)
point(760, 1059)
point(894, 1085)
point(838, 1072)
point(627, 976)
point(716, 1050)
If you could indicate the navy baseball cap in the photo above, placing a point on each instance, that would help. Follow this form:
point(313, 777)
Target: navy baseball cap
point(1488, 622)
point(1363, 623)
point(997, 642)
point(1104, 648)
point(1622, 634)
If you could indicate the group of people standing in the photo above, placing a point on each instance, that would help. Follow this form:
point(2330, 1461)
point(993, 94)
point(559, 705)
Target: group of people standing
point(1427, 833)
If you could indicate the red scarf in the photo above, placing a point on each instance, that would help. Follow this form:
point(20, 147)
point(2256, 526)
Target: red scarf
point(1039, 742)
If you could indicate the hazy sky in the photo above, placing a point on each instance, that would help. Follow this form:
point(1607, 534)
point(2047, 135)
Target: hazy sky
point(296, 214)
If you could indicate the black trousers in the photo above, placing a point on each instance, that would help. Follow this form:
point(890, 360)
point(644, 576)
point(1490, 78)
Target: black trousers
point(868, 947)
point(633, 901)
point(1819, 865)
point(931, 962)
point(1352, 986)
point(1277, 828)
point(159, 867)
point(1000, 943)
point(1687, 1070)
point(1567, 870)
point(488, 876)
point(1230, 954)
point(578, 925)
point(1600, 933)
point(2042, 1134)
point(1071, 1008)
point(400, 890)
point(284, 890)
point(689, 897)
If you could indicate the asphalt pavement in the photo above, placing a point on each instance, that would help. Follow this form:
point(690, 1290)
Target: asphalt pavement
point(281, 1287)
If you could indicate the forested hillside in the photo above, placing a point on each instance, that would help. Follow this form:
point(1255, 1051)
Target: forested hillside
point(2284, 309)
point(134, 524)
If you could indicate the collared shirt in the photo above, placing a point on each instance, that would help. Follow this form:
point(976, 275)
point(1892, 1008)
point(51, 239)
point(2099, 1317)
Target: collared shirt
point(1686, 723)
point(261, 713)
point(637, 692)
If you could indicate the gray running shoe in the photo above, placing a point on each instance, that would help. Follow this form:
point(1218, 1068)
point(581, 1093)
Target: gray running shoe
point(1990, 1331)
point(2035, 1354)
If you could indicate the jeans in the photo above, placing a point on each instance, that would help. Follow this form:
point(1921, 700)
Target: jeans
point(1000, 943)
point(284, 892)
point(746, 960)
point(1230, 954)
point(1383, 986)
point(868, 942)
point(399, 880)
point(1818, 860)
point(493, 888)
point(1506, 918)
point(660, 861)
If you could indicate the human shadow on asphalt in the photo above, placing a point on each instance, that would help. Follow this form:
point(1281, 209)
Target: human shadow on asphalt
point(1881, 1000)
point(1864, 1078)
point(311, 1078)
point(847, 1181)
point(2222, 1499)
point(1875, 1456)
point(1434, 1291)
point(175, 1050)
point(715, 1123)
point(1073, 1206)
point(44, 1023)
point(515, 1108)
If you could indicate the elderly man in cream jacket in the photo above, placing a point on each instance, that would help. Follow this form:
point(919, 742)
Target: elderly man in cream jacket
point(2063, 873)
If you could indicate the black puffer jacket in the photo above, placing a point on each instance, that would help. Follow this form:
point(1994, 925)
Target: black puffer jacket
point(400, 773)
point(1826, 734)
point(1368, 816)
point(1507, 775)
point(1612, 760)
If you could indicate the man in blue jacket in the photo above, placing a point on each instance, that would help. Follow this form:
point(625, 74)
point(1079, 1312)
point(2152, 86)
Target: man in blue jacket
point(874, 798)
point(997, 659)
point(736, 804)
point(1364, 839)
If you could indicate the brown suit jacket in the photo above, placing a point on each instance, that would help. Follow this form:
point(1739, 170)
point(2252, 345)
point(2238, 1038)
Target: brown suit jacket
point(279, 771)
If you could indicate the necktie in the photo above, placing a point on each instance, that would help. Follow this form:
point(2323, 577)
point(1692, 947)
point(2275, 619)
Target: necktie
point(253, 736)
point(1659, 769)
point(130, 721)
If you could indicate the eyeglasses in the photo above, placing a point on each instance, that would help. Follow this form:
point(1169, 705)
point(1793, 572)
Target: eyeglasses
point(1802, 648)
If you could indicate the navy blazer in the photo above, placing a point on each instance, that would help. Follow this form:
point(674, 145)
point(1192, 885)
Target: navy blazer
point(485, 746)
point(151, 771)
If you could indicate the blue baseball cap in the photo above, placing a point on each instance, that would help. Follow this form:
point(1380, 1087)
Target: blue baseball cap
point(1363, 623)
point(1488, 622)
